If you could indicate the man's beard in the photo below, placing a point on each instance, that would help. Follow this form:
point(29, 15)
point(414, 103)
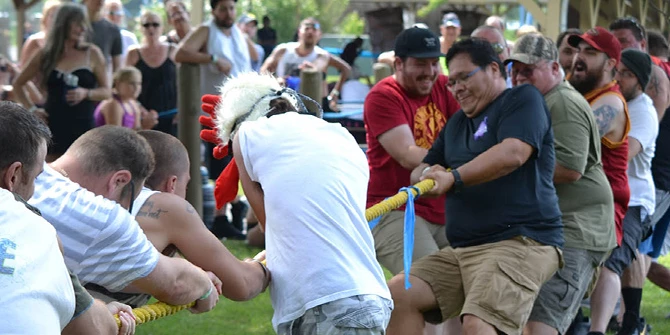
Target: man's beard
point(590, 81)
point(223, 24)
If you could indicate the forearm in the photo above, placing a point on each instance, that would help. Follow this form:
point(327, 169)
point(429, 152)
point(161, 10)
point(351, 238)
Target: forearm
point(21, 96)
point(190, 285)
point(563, 175)
point(412, 157)
point(253, 280)
point(96, 320)
point(253, 54)
point(344, 75)
point(494, 163)
point(99, 94)
point(194, 57)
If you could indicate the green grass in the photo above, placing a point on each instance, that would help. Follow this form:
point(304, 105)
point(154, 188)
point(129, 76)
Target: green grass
point(254, 317)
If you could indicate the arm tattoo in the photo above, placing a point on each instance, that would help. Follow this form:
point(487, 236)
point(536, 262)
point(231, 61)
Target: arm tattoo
point(190, 209)
point(604, 114)
point(652, 86)
point(148, 211)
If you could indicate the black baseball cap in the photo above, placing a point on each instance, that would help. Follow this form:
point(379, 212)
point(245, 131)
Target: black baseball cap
point(417, 43)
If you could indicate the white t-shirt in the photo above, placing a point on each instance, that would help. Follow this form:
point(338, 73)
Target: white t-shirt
point(314, 178)
point(290, 61)
point(102, 242)
point(644, 128)
point(36, 292)
point(128, 39)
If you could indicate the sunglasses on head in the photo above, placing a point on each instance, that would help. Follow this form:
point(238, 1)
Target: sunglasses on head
point(151, 24)
point(498, 48)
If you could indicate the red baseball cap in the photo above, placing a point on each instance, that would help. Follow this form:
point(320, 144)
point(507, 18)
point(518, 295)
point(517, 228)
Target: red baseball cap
point(600, 39)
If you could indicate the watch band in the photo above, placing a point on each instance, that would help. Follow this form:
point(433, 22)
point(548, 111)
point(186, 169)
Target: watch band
point(458, 182)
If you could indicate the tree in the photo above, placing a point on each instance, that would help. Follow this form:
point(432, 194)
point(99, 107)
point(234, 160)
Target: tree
point(431, 6)
point(21, 6)
point(287, 14)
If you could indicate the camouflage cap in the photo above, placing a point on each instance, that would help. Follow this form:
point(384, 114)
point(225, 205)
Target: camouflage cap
point(533, 48)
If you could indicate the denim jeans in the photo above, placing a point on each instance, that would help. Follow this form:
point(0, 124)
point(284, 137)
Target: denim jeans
point(357, 315)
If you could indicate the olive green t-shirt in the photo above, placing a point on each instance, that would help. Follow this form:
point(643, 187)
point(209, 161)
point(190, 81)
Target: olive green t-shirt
point(587, 204)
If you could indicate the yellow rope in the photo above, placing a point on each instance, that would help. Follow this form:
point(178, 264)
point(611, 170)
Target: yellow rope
point(154, 311)
point(397, 200)
point(159, 309)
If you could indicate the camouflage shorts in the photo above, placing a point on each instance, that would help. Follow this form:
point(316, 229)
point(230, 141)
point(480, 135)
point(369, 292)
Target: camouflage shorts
point(357, 315)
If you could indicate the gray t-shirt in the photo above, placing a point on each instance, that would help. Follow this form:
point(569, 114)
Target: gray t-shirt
point(107, 37)
point(587, 204)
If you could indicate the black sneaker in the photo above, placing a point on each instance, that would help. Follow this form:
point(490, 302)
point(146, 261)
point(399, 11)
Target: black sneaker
point(633, 327)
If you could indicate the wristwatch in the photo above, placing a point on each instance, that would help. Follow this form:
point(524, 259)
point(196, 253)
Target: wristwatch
point(458, 182)
point(214, 59)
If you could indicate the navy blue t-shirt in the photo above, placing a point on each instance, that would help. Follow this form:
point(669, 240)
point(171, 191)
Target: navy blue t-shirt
point(660, 165)
point(523, 202)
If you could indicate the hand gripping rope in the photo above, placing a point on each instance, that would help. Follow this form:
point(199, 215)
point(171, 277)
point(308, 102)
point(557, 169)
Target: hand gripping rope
point(406, 197)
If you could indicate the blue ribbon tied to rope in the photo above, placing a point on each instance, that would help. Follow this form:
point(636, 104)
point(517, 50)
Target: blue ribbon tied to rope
point(408, 233)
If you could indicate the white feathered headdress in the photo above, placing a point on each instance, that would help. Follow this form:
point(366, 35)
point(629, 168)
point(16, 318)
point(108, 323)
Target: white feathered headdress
point(247, 97)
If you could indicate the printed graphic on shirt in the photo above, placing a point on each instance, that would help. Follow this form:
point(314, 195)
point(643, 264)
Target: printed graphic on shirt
point(428, 122)
point(5, 254)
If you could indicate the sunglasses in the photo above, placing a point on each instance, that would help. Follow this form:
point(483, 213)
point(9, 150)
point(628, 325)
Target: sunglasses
point(498, 48)
point(463, 79)
point(151, 24)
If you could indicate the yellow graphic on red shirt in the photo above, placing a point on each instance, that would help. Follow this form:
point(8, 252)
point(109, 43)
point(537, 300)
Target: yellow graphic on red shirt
point(428, 122)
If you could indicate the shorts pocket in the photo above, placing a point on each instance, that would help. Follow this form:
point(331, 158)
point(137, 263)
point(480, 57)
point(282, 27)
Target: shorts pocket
point(365, 317)
point(566, 288)
point(511, 295)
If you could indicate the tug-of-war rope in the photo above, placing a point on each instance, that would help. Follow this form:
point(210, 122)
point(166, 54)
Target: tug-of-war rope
point(406, 196)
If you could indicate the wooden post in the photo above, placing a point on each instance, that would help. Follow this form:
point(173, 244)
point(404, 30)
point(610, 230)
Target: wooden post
point(381, 71)
point(311, 85)
point(188, 102)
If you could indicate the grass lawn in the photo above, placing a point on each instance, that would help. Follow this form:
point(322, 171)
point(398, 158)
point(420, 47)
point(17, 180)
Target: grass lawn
point(254, 317)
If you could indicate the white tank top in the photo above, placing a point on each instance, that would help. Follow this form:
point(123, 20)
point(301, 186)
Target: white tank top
point(233, 47)
point(315, 178)
point(290, 61)
point(36, 292)
point(141, 199)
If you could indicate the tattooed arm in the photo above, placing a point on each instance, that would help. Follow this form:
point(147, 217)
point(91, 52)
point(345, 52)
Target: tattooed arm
point(167, 219)
point(610, 118)
point(658, 89)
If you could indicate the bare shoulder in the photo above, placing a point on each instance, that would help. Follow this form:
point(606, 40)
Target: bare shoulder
point(161, 205)
point(609, 102)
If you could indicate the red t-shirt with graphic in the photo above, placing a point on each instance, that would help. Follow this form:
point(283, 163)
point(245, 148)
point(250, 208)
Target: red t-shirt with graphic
point(388, 106)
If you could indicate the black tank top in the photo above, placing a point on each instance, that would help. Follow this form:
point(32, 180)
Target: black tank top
point(68, 122)
point(159, 85)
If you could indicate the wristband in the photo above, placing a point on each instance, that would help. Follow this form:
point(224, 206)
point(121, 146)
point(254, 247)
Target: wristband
point(206, 295)
point(335, 92)
point(213, 59)
point(266, 272)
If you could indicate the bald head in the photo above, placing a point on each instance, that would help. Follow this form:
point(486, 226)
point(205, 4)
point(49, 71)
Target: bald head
point(495, 22)
point(495, 37)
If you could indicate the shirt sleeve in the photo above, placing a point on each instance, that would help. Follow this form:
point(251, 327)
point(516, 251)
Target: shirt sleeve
point(117, 44)
point(524, 117)
point(571, 135)
point(382, 112)
point(644, 125)
point(120, 254)
point(83, 300)
point(435, 154)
